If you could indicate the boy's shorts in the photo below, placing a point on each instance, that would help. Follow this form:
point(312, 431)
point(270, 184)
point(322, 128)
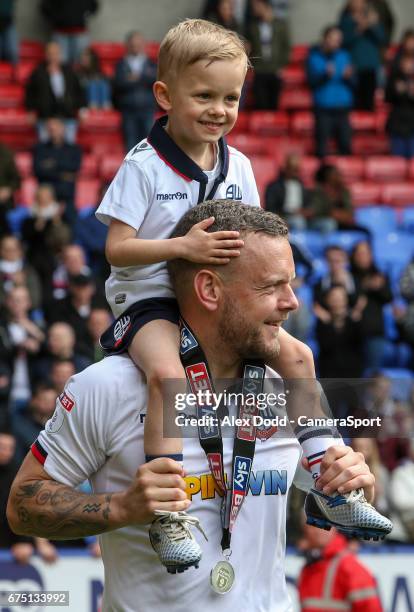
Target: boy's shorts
point(117, 338)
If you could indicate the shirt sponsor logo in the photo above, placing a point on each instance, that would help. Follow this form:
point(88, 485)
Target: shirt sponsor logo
point(66, 401)
point(262, 482)
point(172, 196)
point(188, 341)
point(233, 192)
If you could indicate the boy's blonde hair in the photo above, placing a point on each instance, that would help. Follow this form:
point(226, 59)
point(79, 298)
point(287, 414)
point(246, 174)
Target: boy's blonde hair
point(193, 40)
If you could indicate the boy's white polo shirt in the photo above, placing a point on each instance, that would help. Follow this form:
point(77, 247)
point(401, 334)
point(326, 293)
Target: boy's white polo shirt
point(97, 433)
point(155, 186)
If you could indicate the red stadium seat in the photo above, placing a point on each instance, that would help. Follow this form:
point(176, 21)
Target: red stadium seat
point(269, 123)
point(285, 145)
point(11, 95)
point(398, 194)
point(6, 72)
point(364, 194)
point(89, 166)
point(366, 144)
point(242, 123)
point(24, 163)
point(293, 76)
point(411, 169)
point(265, 169)
point(108, 69)
point(31, 50)
point(351, 168)
point(24, 70)
point(101, 121)
point(108, 50)
point(248, 144)
point(87, 193)
point(17, 129)
point(363, 121)
point(296, 99)
point(299, 54)
point(109, 166)
point(302, 122)
point(26, 194)
point(385, 168)
point(152, 48)
point(381, 117)
point(309, 166)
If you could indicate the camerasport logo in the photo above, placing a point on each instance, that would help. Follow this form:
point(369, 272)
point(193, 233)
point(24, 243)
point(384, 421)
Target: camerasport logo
point(241, 477)
point(66, 400)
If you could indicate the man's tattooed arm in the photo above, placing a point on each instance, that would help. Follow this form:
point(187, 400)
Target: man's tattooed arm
point(49, 509)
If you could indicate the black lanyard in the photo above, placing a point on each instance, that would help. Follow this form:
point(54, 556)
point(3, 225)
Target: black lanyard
point(199, 379)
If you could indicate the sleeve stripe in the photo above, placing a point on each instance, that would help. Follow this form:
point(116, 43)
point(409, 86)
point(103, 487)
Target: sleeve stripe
point(360, 594)
point(39, 452)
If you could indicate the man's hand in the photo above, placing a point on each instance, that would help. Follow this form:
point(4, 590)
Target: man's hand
point(158, 485)
point(203, 247)
point(22, 552)
point(344, 470)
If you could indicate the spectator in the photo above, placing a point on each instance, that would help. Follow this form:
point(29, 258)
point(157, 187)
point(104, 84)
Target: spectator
point(54, 90)
point(24, 339)
point(97, 89)
point(99, 321)
point(134, 77)
point(9, 183)
point(330, 204)
point(9, 44)
point(329, 72)
point(338, 274)
point(29, 422)
point(60, 346)
point(239, 8)
point(404, 315)
point(223, 14)
point(385, 18)
point(400, 94)
point(73, 262)
point(21, 547)
point(57, 163)
point(270, 49)
point(299, 322)
point(14, 271)
point(45, 234)
point(61, 371)
point(406, 47)
point(287, 196)
point(339, 337)
point(402, 490)
point(369, 448)
point(375, 286)
point(75, 310)
point(68, 19)
point(364, 37)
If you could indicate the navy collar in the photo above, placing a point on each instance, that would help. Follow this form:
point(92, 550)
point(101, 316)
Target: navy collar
point(177, 160)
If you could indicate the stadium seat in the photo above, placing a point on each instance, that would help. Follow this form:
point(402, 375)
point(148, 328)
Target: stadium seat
point(23, 71)
point(367, 144)
point(31, 50)
point(407, 219)
point(17, 129)
point(378, 219)
point(392, 252)
point(308, 168)
point(100, 128)
point(381, 117)
point(351, 168)
point(401, 382)
point(296, 99)
point(293, 76)
point(109, 166)
point(385, 168)
point(309, 240)
point(265, 170)
point(101, 121)
point(363, 121)
point(365, 194)
point(87, 192)
point(26, 194)
point(248, 144)
point(285, 145)
point(24, 163)
point(152, 48)
point(108, 68)
point(11, 95)
point(6, 72)
point(242, 124)
point(302, 122)
point(108, 50)
point(298, 54)
point(271, 123)
point(398, 194)
point(89, 166)
point(15, 218)
point(345, 239)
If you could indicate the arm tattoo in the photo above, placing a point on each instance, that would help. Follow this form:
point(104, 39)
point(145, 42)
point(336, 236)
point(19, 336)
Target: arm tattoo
point(49, 509)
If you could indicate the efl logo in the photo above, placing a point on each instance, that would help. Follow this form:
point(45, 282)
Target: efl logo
point(188, 341)
point(215, 463)
point(242, 467)
point(233, 192)
point(66, 401)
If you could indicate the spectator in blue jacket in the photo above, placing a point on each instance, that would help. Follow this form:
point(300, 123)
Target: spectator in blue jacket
point(364, 37)
point(134, 77)
point(330, 74)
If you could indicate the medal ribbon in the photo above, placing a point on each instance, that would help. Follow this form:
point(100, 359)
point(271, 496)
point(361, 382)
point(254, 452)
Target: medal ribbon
point(199, 379)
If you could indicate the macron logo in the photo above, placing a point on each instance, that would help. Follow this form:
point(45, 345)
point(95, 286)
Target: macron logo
point(172, 196)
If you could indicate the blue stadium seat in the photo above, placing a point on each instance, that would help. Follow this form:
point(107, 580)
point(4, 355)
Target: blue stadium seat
point(312, 241)
point(345, 239)
point(390, 328)
point(401, 382)
point(378, 219)
point(407, 219)
point(393, 251)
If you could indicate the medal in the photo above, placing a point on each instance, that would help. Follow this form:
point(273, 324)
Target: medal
point(222, 577)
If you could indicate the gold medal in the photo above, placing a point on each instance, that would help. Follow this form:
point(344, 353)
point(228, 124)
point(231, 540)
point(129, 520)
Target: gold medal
point(222, 577)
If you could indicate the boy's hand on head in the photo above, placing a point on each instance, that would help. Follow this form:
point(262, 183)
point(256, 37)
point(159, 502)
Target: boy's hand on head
point(201, 246)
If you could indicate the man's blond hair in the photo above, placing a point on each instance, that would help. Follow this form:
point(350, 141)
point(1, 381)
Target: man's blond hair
point(193, 40)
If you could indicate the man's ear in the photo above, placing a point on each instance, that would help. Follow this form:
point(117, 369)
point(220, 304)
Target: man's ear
point(208, 289)
point(162, 95)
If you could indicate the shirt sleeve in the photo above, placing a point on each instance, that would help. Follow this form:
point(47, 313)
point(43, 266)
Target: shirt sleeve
point(127, 198)
point(73, 444)
point(249, 187)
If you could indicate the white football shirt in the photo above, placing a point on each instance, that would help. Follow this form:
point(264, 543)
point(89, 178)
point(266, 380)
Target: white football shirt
point(97, 433)
point(155, 186)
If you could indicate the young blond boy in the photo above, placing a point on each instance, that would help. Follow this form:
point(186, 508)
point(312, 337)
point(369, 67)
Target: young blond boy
point(184, 161)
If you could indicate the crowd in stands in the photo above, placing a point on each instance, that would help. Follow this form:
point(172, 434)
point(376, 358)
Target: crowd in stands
point(311, 118)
